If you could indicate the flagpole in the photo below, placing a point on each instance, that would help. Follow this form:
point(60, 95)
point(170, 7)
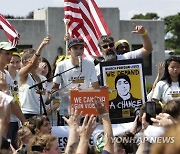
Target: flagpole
point(66, 35)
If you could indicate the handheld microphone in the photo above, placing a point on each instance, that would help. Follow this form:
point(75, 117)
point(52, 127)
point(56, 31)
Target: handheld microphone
point(80, 62)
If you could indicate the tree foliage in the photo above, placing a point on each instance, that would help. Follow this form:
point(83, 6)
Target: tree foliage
point(29, 16)
point(172, 28)
point(172, 25)
point(147, 16)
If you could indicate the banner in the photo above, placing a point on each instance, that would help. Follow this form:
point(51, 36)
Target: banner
point(125, 81)
point(83, 100)
point(62, 132)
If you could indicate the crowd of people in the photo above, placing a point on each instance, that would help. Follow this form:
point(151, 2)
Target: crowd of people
point(34, 97)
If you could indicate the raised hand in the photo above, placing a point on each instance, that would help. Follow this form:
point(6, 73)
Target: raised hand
point(74, 118)
point(46, 40)
point(163, 119)
point(88, 126)
point(138, 29)
point(73, 122)
point(160, 69)
point(100, 106)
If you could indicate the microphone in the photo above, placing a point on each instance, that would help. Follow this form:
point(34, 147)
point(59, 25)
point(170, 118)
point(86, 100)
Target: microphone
point(80, 62)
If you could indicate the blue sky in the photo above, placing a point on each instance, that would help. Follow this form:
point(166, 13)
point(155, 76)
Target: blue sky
point(127, 7)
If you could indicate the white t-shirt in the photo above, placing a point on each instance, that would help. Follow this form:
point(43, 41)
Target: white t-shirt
point(165, 93)
point(73, 78)
point(129, 55)
point(153, 132)
point(29, 99)
point(11, 85)
point(7, 98)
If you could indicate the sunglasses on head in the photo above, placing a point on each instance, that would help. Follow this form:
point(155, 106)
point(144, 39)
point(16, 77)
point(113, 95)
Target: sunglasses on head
point(106, 45)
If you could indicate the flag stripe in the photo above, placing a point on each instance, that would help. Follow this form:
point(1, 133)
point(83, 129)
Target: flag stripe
point(98, 34)
point(100, 19)
point(85, 21)
point(10, 32)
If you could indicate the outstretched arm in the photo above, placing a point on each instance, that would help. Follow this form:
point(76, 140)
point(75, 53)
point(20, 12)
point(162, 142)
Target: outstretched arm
point(73, 123)
point(147, 45)
point(23, 72)
point(160, 73)
point(86, 130)
point(106, 124)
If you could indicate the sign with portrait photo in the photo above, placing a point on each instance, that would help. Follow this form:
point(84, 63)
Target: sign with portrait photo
point(125, 81)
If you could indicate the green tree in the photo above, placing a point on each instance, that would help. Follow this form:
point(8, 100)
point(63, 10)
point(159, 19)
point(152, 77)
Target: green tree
point(172, 26)
point(147, 16)
point(30, 15)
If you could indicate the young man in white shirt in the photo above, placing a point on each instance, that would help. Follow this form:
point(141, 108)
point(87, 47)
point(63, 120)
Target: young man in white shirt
point(80, 73)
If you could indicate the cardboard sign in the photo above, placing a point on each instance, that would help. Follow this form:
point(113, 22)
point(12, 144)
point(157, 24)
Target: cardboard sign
point(126, 84)
point(83, 100)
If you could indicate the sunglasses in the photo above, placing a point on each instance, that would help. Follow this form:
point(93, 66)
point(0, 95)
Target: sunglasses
point(108, 45)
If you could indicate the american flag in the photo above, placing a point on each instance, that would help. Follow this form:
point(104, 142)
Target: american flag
point(86, 21)
point(10, 32)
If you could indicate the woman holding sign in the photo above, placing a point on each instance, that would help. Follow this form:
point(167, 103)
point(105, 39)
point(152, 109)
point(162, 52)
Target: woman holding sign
point(124, 105)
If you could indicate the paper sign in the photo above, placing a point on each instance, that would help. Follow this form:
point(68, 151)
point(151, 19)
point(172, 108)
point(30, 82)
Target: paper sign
point(83, 100)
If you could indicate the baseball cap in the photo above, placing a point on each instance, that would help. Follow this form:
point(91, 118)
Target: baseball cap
point(76, 41)
point(7, 46)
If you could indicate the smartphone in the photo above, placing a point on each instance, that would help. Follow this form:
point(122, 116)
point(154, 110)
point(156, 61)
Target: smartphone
point(139, 124)
point(150, 108)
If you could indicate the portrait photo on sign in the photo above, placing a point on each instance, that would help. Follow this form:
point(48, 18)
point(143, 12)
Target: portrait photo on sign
point(125, 81)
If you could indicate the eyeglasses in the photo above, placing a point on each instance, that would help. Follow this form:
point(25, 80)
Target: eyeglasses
point(108, 45)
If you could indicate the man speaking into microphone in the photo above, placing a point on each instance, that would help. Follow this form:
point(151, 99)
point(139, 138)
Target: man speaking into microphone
point(81, 77)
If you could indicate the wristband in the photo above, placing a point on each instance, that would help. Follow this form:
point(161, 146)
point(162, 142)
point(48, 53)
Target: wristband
point(103, 115)
point(37, 55)
point(145, 32)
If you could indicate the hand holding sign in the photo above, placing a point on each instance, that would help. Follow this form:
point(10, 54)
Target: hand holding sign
point(100, 106)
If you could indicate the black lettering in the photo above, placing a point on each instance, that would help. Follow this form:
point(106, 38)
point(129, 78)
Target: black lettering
point(110, 73)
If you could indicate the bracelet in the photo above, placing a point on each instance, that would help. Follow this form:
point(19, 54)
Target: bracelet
point(145, 32)
point(37, 55)
point(104, 114)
